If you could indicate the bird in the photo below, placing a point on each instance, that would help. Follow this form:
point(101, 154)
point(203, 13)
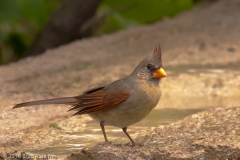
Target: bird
point(121, 103)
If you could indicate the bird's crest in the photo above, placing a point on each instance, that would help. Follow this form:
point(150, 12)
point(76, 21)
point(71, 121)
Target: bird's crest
point(157, 51)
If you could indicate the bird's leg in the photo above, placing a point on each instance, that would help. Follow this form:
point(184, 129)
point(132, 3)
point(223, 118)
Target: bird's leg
point(125, 131)
point(103, 130)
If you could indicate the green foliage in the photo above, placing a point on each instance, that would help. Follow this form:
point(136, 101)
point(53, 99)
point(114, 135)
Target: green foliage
point(36, 12)
point(9, 10)
point(55, 125)
point(141, 12)
point(20, 22)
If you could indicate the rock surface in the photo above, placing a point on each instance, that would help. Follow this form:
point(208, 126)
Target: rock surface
point(200, 54)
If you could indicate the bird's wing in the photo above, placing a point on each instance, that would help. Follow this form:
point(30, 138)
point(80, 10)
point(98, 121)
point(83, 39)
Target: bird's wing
point(96, 99)
point(90, 101)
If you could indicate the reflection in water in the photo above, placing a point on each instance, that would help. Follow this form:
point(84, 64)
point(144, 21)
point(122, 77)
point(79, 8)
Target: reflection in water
point(92, 135)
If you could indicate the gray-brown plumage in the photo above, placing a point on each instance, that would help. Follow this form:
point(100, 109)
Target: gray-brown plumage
point(123, 102)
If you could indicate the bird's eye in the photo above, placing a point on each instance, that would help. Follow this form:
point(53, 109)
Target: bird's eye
point(150, 67)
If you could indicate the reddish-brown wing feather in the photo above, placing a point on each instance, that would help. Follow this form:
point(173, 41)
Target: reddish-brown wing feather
point(95, 100)
point(115, 98)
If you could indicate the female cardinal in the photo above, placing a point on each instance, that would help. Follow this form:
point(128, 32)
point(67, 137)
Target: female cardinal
point(123, 102)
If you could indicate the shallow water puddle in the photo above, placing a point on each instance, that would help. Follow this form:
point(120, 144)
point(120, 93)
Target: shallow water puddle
point(92, 135)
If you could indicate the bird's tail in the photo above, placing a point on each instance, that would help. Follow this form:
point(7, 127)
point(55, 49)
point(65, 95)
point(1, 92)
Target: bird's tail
point(66, 100)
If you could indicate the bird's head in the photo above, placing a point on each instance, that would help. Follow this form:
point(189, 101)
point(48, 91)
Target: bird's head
point(151, 69)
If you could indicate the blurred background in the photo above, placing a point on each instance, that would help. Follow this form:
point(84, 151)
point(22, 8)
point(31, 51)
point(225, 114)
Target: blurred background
point(200, 44)
point(30, 27)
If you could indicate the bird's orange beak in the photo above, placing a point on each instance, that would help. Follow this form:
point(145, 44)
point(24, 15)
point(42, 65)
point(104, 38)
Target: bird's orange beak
point(159, 73)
